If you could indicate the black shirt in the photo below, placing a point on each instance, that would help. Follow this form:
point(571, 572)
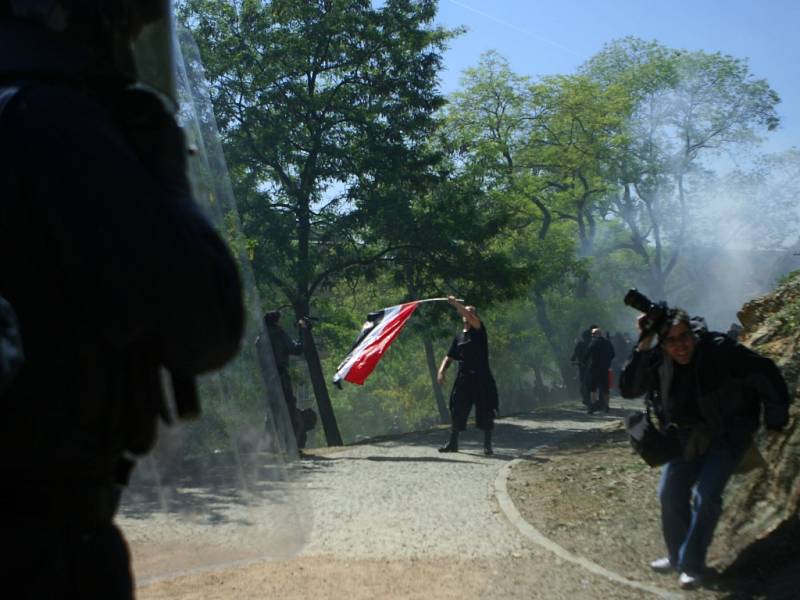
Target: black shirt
point(683, 396)
point(471, 349)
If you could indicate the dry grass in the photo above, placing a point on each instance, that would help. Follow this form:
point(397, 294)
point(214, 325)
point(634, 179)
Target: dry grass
point(597, 499)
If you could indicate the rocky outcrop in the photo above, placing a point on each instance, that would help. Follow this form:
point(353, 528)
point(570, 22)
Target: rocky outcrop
point(762, 506)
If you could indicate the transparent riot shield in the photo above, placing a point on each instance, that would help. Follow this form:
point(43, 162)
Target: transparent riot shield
point(222, 489)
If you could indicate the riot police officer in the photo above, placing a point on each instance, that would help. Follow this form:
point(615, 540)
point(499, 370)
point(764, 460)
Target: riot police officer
point(115, 276)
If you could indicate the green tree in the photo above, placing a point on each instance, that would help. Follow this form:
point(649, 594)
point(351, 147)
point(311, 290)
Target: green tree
point(322, 106)
point(460, 247)
point(542, 149)
point(686, 105)
point(450, 239)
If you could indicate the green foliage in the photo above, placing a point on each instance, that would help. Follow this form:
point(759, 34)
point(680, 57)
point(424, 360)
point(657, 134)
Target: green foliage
point(540, 201)
point(543, 149)
point(320, 105)
point(789, 277)
point(685, 105)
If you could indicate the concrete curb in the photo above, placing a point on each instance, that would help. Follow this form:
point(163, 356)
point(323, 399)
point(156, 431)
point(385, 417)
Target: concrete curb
point(530, 532)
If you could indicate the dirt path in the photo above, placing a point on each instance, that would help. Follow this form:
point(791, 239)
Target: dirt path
point(396, 519)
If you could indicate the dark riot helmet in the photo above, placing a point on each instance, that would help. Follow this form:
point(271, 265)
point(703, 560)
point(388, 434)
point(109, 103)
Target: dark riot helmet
point(119, 42)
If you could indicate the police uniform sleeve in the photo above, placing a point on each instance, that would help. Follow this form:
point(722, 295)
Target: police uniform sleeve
point(140, 263)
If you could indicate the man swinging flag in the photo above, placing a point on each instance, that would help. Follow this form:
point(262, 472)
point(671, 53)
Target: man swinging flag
point(377, 334)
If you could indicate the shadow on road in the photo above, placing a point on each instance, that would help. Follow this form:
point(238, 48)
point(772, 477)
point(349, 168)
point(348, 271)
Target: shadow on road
point(420, 459)
point(515, 436)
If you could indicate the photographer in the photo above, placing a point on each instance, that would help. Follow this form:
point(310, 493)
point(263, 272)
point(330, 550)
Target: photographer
point(116, 277)
point(710, 389)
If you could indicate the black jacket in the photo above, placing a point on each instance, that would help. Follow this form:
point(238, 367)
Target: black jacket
point(598, 357)
point(579, 351)
point(112, 274)
point(732, 384)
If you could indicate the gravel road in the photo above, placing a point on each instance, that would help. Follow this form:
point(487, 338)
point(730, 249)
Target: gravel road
point(402, 498)
point(394, 518)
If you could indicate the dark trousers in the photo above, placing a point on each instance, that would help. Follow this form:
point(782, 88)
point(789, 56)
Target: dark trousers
point(295, 417)
point(584, 387)
point(597, 389)
point(468, 391)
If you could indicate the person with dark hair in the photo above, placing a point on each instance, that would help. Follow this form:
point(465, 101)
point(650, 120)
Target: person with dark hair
point(474, 383)
point(282, 347)
point(712, 391)
point(117, 280)
point(598, 357)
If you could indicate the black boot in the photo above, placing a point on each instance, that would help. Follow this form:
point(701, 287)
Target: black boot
point(452, 445)
point(487, 442)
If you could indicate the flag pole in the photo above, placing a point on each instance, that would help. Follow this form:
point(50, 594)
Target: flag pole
point(436, 300)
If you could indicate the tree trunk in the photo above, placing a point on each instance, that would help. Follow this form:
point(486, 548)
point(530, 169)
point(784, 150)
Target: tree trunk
point(332, 435)
point(559, 353)
point(538, 384)
point(657, 291)
point(444, 413)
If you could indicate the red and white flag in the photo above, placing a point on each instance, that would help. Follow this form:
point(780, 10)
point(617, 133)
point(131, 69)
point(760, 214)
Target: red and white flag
point(377, 334)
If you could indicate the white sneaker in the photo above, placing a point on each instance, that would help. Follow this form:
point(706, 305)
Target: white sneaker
point(687, 581)
point(662, 565)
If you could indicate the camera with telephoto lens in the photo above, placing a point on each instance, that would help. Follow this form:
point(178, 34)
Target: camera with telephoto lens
point(656, 318)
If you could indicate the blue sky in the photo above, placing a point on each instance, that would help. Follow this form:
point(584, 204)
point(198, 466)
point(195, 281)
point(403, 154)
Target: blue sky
point(556, 36)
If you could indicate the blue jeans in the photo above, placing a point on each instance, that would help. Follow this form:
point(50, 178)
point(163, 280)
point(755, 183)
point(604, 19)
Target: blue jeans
point(690, 492)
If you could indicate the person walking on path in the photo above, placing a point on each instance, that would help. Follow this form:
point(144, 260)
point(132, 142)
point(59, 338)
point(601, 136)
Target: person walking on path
point(474, 383)
point(599, 355)
point(579, 359)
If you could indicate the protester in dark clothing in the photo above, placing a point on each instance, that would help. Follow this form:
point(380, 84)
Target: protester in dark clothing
point(474, 383)
point(599, 355)
point(282, 347)
point(579, 359)
point(711, 390)
point(116, 277)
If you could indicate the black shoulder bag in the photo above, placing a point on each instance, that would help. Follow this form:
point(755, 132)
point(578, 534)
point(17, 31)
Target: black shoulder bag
point(656, 446)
